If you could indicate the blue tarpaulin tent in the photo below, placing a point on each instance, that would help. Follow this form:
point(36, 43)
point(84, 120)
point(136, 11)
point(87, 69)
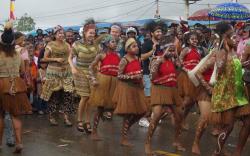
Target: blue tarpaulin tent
point(101, 25)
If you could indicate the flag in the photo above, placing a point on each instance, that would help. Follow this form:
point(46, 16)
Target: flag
point(12, 9)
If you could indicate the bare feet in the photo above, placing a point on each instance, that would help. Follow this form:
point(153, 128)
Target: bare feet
point(95, 137)
point(148, 149)
point(18, 149)
point(179, 146)
point(125, 142)
point(185, 126)
point(196, 149)
point(223, 153)
point(215, 132)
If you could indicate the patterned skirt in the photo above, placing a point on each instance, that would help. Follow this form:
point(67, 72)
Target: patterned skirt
point(129, 99)
point(102, 94)
point(55, 84)
point(82, 84)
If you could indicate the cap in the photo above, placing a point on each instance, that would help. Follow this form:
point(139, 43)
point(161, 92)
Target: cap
point(131, 29)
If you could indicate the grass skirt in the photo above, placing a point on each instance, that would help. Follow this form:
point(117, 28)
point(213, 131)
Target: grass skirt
point(129, 99)
point(162, 95)
point(101, 95)
point(186, 86)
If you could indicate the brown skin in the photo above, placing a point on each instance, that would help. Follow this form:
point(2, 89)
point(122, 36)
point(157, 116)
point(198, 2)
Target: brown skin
point(69, 37)
point(112, 45)
point(226, 53)
point(245, 129)
point(159, 110)
point(188, 101)
point(131, 55)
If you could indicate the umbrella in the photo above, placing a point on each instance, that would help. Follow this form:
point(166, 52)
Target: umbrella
point(230, 11)
point(202, 15)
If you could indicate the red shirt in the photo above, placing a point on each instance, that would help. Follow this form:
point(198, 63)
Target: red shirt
point(191, 59)
point(166, 75)
point(109, 65)
point(133, 68)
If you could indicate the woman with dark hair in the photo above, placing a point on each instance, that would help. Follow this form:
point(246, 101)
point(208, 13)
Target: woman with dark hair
point(58, 87)
point(23, 51)
point(85, 51)
point(189, 58)
point(104, 82)
point(13, 89)
point(228, 100)
point(128, 95)
point(164, 93)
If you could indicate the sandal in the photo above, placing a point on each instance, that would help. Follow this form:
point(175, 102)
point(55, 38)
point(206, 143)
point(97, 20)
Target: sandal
point(87, 127)
point(108, 115)
point(80, 127)
point(68, 123)
point(18, 149)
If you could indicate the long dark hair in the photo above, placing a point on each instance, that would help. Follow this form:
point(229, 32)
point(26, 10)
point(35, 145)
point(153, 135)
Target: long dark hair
point(9, 50)
point(221, 29)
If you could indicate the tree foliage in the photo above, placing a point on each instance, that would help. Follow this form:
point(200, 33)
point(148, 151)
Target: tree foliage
point(25, 23)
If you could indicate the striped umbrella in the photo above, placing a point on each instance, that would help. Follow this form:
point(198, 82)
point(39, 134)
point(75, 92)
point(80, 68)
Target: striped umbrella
point(202, 15)
point(230, 11)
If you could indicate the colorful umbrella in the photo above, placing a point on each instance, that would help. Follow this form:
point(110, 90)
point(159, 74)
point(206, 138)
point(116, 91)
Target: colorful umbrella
point(202, 15)
point(230, 11)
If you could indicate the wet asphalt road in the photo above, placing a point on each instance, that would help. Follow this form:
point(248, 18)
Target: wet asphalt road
point(42, 140)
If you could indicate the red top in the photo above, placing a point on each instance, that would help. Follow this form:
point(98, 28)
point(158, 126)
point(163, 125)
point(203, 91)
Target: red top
point(166, 75)
point(133, 68)
point(109, 65)
point(191, 59)
point(208, 74)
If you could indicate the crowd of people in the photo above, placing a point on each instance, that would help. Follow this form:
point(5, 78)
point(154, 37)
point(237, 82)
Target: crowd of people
point(141, 75)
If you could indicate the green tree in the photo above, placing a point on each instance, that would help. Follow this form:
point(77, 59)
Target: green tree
point(25, 23)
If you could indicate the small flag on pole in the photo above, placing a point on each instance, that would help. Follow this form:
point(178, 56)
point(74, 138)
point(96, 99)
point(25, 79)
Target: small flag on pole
point(12, 9)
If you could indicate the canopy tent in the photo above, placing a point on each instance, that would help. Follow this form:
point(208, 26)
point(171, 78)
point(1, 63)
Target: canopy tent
point(103, 25)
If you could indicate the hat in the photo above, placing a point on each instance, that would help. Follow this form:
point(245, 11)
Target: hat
point(129, 42)
point(131, 29)
point(57, 28)
point(7, 37)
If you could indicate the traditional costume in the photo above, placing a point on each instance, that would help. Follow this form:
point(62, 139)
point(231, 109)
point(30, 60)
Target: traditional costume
point(58, 86)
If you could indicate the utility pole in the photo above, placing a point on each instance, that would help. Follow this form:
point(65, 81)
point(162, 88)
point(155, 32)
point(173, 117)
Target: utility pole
point(157, 12)
point(187, 6)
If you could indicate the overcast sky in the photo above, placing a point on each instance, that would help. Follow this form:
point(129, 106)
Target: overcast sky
point(71, 12)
